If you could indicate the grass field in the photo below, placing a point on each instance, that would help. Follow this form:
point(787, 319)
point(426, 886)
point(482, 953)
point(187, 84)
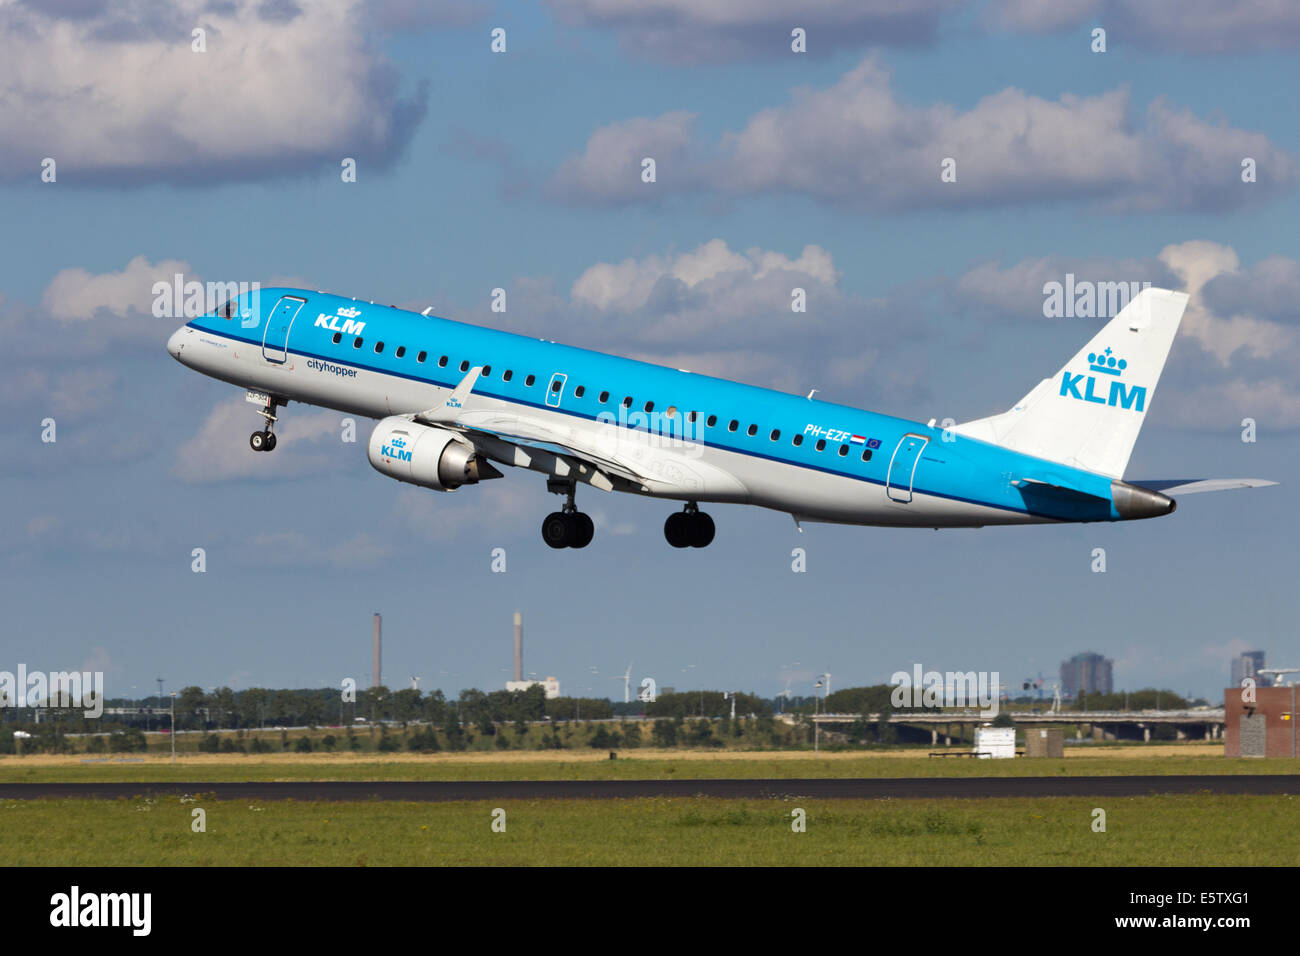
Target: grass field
point(1197, 830)
point(1189, 758)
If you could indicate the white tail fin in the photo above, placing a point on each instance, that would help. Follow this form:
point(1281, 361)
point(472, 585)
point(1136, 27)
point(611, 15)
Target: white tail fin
point(1088, 416)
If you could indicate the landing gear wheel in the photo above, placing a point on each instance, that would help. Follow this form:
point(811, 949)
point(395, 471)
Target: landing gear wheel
point(584, 529)
point(702, 530)
point(557, 530)
point(270, 441)
point(677, 529)
point(258, 441)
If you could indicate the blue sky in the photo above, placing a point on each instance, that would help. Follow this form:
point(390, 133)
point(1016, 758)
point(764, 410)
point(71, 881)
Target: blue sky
point(478, 170)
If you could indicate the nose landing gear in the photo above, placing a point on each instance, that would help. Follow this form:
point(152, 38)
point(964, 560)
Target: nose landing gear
point(265, 440)
point(689, 528)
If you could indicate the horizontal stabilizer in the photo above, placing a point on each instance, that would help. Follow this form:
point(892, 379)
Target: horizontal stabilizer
point(1191, 486)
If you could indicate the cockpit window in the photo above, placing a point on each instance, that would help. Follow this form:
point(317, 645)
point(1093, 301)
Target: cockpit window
point(229, 309)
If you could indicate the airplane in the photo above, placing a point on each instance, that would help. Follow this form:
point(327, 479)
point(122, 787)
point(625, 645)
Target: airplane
point(454, 401)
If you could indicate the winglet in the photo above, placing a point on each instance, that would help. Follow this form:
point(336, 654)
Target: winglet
point(449, 411)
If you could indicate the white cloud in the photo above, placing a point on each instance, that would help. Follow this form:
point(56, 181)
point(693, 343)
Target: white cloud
point(856, 144)
point(1199, 261)
point(706, 31)
point(1192, 26)
point(114, 92)
point(610, 168)
point(78, 294)
point(307, 442)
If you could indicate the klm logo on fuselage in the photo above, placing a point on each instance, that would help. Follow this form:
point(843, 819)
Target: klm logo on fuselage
point(1091, 388)
point(347, 327)
point(395, 449)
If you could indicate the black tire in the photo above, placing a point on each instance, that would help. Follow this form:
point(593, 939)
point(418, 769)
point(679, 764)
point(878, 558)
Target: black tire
point(257, 441)
point(557, 530)
point(270, 441)
point(702, 530)
point(677, 530)
point(584, 529)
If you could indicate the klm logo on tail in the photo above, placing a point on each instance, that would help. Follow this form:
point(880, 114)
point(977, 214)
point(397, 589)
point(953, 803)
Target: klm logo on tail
point(1104, 364)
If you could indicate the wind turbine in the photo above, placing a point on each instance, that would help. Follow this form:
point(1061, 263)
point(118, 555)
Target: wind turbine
point(627, 683)
point(415, 683)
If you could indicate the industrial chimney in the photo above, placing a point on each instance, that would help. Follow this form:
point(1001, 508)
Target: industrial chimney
point(375, 672)
point(519, 646)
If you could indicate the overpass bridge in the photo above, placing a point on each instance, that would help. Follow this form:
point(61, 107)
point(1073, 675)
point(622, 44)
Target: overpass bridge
point(1185, 722)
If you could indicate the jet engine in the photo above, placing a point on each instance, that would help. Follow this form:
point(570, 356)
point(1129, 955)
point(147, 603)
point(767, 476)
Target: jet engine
point(423, 455)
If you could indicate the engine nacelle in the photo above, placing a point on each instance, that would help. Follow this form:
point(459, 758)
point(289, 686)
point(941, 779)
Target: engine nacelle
point(426, 456)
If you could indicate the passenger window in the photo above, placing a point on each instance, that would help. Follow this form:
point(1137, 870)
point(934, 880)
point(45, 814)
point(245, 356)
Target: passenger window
point(356, 344)
point(844, 450)
point(556, 385)
point(691, 416)
point(338, 337)
point(649, 406)
point(776, 434)
point(604, 397)
point(379, 347)
point(507, 375)
point(751, 431)
point(464, 365)
point(821, 444)
point(421, 357)
point(627, 402)
point(442, 362)
point(672, 411)
point(401, 351)
point(580, 391)
point(866, 455)
point(798, 440)
point(733, 425)
point(487, 370)
point(711, 421)
point(529, 380)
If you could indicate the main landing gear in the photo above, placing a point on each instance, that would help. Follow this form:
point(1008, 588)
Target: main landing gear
point(568, 527)
point(690, 528)
point(265, 440)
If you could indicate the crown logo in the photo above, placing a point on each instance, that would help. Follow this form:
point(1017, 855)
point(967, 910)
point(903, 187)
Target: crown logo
point(399, 442)
point(1106, 363)
point(349, 312)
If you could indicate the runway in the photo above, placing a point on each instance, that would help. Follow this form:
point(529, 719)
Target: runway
point(876, 788)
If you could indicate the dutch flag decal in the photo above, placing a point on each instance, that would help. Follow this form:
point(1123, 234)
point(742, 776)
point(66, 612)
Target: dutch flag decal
point(858, 439)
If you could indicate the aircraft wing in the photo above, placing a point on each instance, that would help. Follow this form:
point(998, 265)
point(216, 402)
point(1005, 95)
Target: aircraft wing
point(613, 456)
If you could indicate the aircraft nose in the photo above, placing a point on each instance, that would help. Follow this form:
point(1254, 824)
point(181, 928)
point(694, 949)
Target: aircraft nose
point(175, 343)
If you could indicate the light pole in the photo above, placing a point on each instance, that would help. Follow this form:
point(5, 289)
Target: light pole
point(817, 728)
point(173, 726)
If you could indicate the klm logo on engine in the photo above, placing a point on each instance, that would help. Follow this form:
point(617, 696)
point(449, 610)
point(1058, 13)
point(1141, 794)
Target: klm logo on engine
point(395, 449)
point(347, 327)
point(1091, 388)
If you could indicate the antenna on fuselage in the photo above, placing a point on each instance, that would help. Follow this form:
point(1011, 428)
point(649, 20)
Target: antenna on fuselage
point(427, 311)
point(812, 393)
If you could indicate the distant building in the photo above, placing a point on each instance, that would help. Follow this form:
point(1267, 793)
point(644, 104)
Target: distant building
point(551, 685)
point(1250, 664)
point(1087, 673)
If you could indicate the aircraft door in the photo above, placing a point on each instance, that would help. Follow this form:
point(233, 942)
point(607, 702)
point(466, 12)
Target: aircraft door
point(902, 467)
point(555, 391)
point(275, 339)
